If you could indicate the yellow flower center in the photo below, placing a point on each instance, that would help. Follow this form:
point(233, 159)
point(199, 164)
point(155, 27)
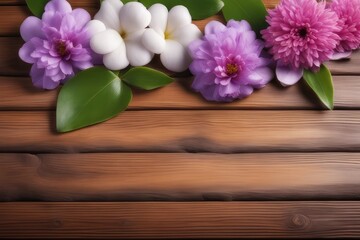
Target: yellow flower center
point(231, 69)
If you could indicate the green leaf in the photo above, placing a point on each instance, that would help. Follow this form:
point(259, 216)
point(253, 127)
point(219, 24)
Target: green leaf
point(146, 78)
point(253, 11)
point(321, 83)
point(92, 96)
point(199, 9)
point(37, 7)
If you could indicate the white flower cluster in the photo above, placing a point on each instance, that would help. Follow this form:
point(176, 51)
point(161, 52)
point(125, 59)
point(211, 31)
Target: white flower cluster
point(131, 34)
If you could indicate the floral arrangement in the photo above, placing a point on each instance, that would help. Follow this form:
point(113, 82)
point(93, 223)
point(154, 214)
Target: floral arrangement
point(99, 60)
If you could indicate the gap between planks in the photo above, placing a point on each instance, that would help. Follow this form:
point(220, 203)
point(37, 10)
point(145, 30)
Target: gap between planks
point(180, 220)
point(179, 177)
point(188, 131)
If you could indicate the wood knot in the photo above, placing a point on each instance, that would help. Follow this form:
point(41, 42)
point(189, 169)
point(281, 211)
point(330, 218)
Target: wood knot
point(299, 222)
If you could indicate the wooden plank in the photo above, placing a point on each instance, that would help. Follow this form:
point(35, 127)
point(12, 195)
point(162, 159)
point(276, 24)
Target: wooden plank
point(180, 96)
point(180, 220)
point(187, 131)
point(179, 177)
point(12, 2)
point(11, 65)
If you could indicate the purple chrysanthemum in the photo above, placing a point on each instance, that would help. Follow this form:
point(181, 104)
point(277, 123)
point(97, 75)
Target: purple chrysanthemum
point(57, 45)
point(348, 12)
point(302, 34)
point(226, 62)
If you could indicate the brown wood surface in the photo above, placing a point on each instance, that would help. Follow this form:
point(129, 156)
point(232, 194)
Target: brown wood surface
point(187, 131)
point(180, 96)
point(180, 220)
point(170, 147)
point(179, 177)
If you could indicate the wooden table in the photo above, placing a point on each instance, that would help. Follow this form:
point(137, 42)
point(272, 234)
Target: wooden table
point(175, 166)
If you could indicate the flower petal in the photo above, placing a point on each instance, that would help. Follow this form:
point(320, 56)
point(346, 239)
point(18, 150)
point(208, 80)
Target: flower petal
point(134, 17)
point(159, 17)
point(117, 59)
point(288, 76)
point(187, 34)
point(116, 4)
point(31, 27)
point(261, 76)
point(241, 26)
point(175, 57)
point(153, 42)
point(68, 24)
point(81, 16)
point(178, 17)
point(339, 56)
point(95, 26)
point(40, 80)
point(136, 53)
point(105, 42)
point(58, 6)
point(66, 68)
point(28, 48)
point(109, 15)
point(214, 27)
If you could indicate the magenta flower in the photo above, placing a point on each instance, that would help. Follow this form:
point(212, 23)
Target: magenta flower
point(302, 34)
point(348, 12)
point(226, 62)
point(57, 45)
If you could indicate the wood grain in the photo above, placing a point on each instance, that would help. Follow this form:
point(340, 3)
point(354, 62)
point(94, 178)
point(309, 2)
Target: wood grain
point(179, 177)
point(180, 96)
point(180, 220)
point(187, 131)
point(11, 65)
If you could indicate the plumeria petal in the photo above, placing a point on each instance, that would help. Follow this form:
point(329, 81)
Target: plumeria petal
point(108, 15)
point(175, 57)
point(58, 6)
point(134, 17)
point(288, 76)
point(136, 53)
point(339, 56)
point(159, 16)
point(186, 34)
point(31, 27)
point(153, 41)
point(105, 42)
point(95, 26)
point(116, 4)
point(117, 59)
point(178, 17)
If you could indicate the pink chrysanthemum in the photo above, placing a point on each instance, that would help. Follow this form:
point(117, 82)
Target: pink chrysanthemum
point(348, 12)
point(302, 34)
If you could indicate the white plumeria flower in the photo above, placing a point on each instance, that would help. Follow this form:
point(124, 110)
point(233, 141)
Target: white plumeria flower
point(170, 34)
point(119, 29)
